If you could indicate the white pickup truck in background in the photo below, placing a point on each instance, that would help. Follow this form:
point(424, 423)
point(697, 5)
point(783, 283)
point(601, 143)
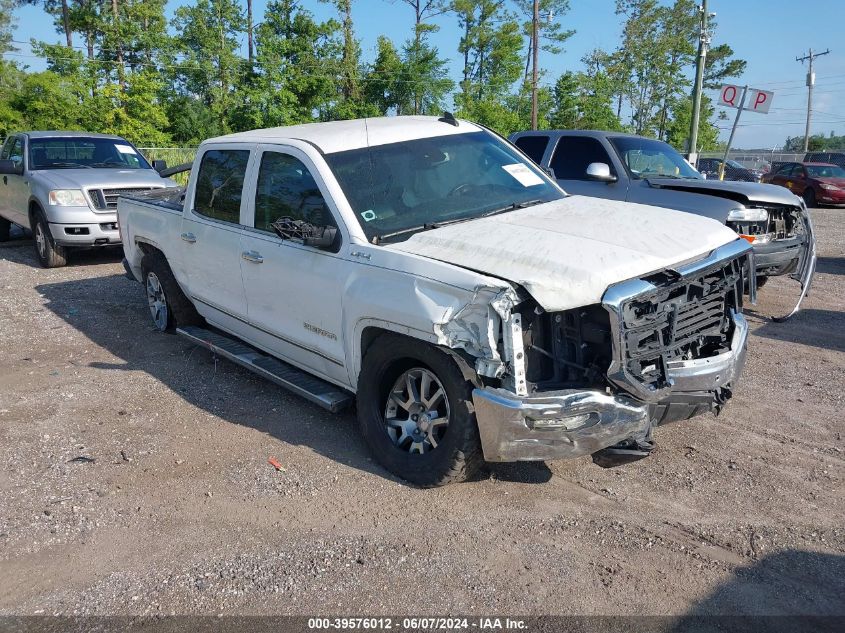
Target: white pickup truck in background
point(427, 269)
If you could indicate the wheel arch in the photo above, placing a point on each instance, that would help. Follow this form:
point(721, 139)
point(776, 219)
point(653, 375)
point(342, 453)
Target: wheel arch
point(370, 330)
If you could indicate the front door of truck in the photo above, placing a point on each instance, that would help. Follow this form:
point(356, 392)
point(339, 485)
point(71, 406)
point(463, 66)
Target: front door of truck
point(293, 291)
point(570, 159)
point(211, 235)
point(15, 188)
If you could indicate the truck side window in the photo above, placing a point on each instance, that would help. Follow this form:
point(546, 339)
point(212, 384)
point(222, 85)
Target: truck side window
point(16, 151)
point(534, 146)
point(4, 152)
point(287, 189)
point(574, 153)
point(220, 184)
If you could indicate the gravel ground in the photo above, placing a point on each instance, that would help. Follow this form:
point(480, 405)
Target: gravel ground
point(135, 481)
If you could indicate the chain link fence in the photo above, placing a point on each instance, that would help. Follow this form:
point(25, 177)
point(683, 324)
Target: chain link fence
point(762, 160)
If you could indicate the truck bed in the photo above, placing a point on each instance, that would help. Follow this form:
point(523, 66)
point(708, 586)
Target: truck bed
point(170, 198)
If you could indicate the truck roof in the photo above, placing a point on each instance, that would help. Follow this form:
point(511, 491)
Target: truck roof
point(68, 134)
point(337, 136)
point(590, 133)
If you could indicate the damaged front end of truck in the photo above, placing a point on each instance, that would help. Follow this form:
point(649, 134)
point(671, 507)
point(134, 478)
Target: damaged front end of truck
point(557, 384)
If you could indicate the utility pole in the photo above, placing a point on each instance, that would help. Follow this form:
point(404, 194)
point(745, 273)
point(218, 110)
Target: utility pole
point(811, 80)
point(535, 52)
point(703, 42)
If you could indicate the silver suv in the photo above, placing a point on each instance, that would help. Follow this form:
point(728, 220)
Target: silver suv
point(64, 186)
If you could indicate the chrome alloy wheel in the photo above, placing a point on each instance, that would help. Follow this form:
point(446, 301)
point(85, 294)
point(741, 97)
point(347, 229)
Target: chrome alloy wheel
point(157, 301)
point(416, 414)
point(40, 240)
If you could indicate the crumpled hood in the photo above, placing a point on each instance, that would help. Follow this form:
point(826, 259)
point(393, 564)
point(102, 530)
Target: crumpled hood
point(743, 192)
point(103, 178)
point(567, 252)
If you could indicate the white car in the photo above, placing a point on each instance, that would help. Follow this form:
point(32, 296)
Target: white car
point(428, 270)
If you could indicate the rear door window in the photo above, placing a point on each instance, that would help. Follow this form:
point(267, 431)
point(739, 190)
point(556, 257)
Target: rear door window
point(574, 154)
point(534, 146)
point(220, 184)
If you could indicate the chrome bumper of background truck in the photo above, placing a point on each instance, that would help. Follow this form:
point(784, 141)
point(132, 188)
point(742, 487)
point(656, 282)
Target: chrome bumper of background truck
point(572, 423)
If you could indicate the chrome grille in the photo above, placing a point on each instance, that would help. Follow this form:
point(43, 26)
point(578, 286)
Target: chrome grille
point(674, 316)
point(106, 199)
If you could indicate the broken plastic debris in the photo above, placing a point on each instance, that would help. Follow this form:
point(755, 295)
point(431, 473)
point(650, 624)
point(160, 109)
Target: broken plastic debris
point(81, 459)
point(275, 464)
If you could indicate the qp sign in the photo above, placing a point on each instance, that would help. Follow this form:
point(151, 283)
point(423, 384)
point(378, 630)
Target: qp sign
point(756, 100)
point(759, 100)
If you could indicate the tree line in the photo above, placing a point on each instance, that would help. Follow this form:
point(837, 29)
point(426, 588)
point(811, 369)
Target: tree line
point(122, 67)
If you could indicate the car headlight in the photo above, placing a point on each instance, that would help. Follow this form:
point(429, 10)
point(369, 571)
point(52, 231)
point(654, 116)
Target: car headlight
point(829, 187)
point(68, 198)
point(748, 215)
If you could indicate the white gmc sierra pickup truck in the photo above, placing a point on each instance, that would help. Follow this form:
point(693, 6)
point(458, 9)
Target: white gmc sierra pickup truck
point(428, 271)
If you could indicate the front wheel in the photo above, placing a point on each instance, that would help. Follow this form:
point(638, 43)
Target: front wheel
point(809, 198)
point(5, 229)
point(416, 414)
point(50, 254)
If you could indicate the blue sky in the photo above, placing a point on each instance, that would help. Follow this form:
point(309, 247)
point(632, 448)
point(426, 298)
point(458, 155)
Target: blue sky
point(769, 34)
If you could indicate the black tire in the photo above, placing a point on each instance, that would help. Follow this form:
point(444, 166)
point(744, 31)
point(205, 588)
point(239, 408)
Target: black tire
point(5, 228)
point(761, 281)
point(50, 254)
point(179, 311)
point(457, 456)
point(809, 198)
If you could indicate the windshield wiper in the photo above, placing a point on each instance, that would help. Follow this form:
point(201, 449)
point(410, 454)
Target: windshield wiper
point(512, 207)
point(67, 165)
point(436, 225)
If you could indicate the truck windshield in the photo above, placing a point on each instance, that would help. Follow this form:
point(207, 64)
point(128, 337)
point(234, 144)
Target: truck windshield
point(80, 152)
point(400, 188)
point(645, 158)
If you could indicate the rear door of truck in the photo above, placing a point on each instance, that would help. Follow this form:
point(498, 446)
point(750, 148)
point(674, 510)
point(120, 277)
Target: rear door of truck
point(211, 233)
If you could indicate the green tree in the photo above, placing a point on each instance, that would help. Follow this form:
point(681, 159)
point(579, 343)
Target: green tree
point(550, 30)
point(208, 42)
point(294, 79)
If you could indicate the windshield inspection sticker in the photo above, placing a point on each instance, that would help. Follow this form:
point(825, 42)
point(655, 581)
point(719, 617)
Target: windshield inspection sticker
point(525, 176)
point(125, 149)
point(369, 215)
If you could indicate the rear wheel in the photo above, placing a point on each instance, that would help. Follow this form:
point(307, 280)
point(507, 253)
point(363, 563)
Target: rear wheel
point(809, 198)
point(5, 228)
point(50, 254)
point(416, 414)
point(169, 307)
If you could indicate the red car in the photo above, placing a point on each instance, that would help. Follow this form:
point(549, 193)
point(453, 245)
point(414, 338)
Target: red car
point(817, 183)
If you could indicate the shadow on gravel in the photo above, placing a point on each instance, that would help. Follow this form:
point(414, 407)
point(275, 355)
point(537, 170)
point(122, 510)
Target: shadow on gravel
point(831, 265)
point(521, 472)
point(785, 592)
point(112, 312)
point(21, 241)
point(817, 328)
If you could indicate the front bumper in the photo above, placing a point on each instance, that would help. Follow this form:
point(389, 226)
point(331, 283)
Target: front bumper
point(103, 233)
point(778, 257)
point(509, 429)
point(515, 428)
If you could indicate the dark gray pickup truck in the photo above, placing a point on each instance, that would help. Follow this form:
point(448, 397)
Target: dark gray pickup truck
point(635, 169)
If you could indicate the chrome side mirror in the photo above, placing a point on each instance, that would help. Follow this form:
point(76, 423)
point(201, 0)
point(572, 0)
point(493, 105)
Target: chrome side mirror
point(600, 172)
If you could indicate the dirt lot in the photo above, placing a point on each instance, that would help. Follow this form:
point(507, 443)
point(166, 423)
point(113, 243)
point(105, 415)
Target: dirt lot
point(178, 510)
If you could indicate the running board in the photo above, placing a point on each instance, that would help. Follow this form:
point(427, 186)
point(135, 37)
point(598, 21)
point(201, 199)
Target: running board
point(299, 382)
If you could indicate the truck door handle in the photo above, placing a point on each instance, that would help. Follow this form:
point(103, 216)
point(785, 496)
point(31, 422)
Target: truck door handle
point(252, 256)
point(190, 238)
